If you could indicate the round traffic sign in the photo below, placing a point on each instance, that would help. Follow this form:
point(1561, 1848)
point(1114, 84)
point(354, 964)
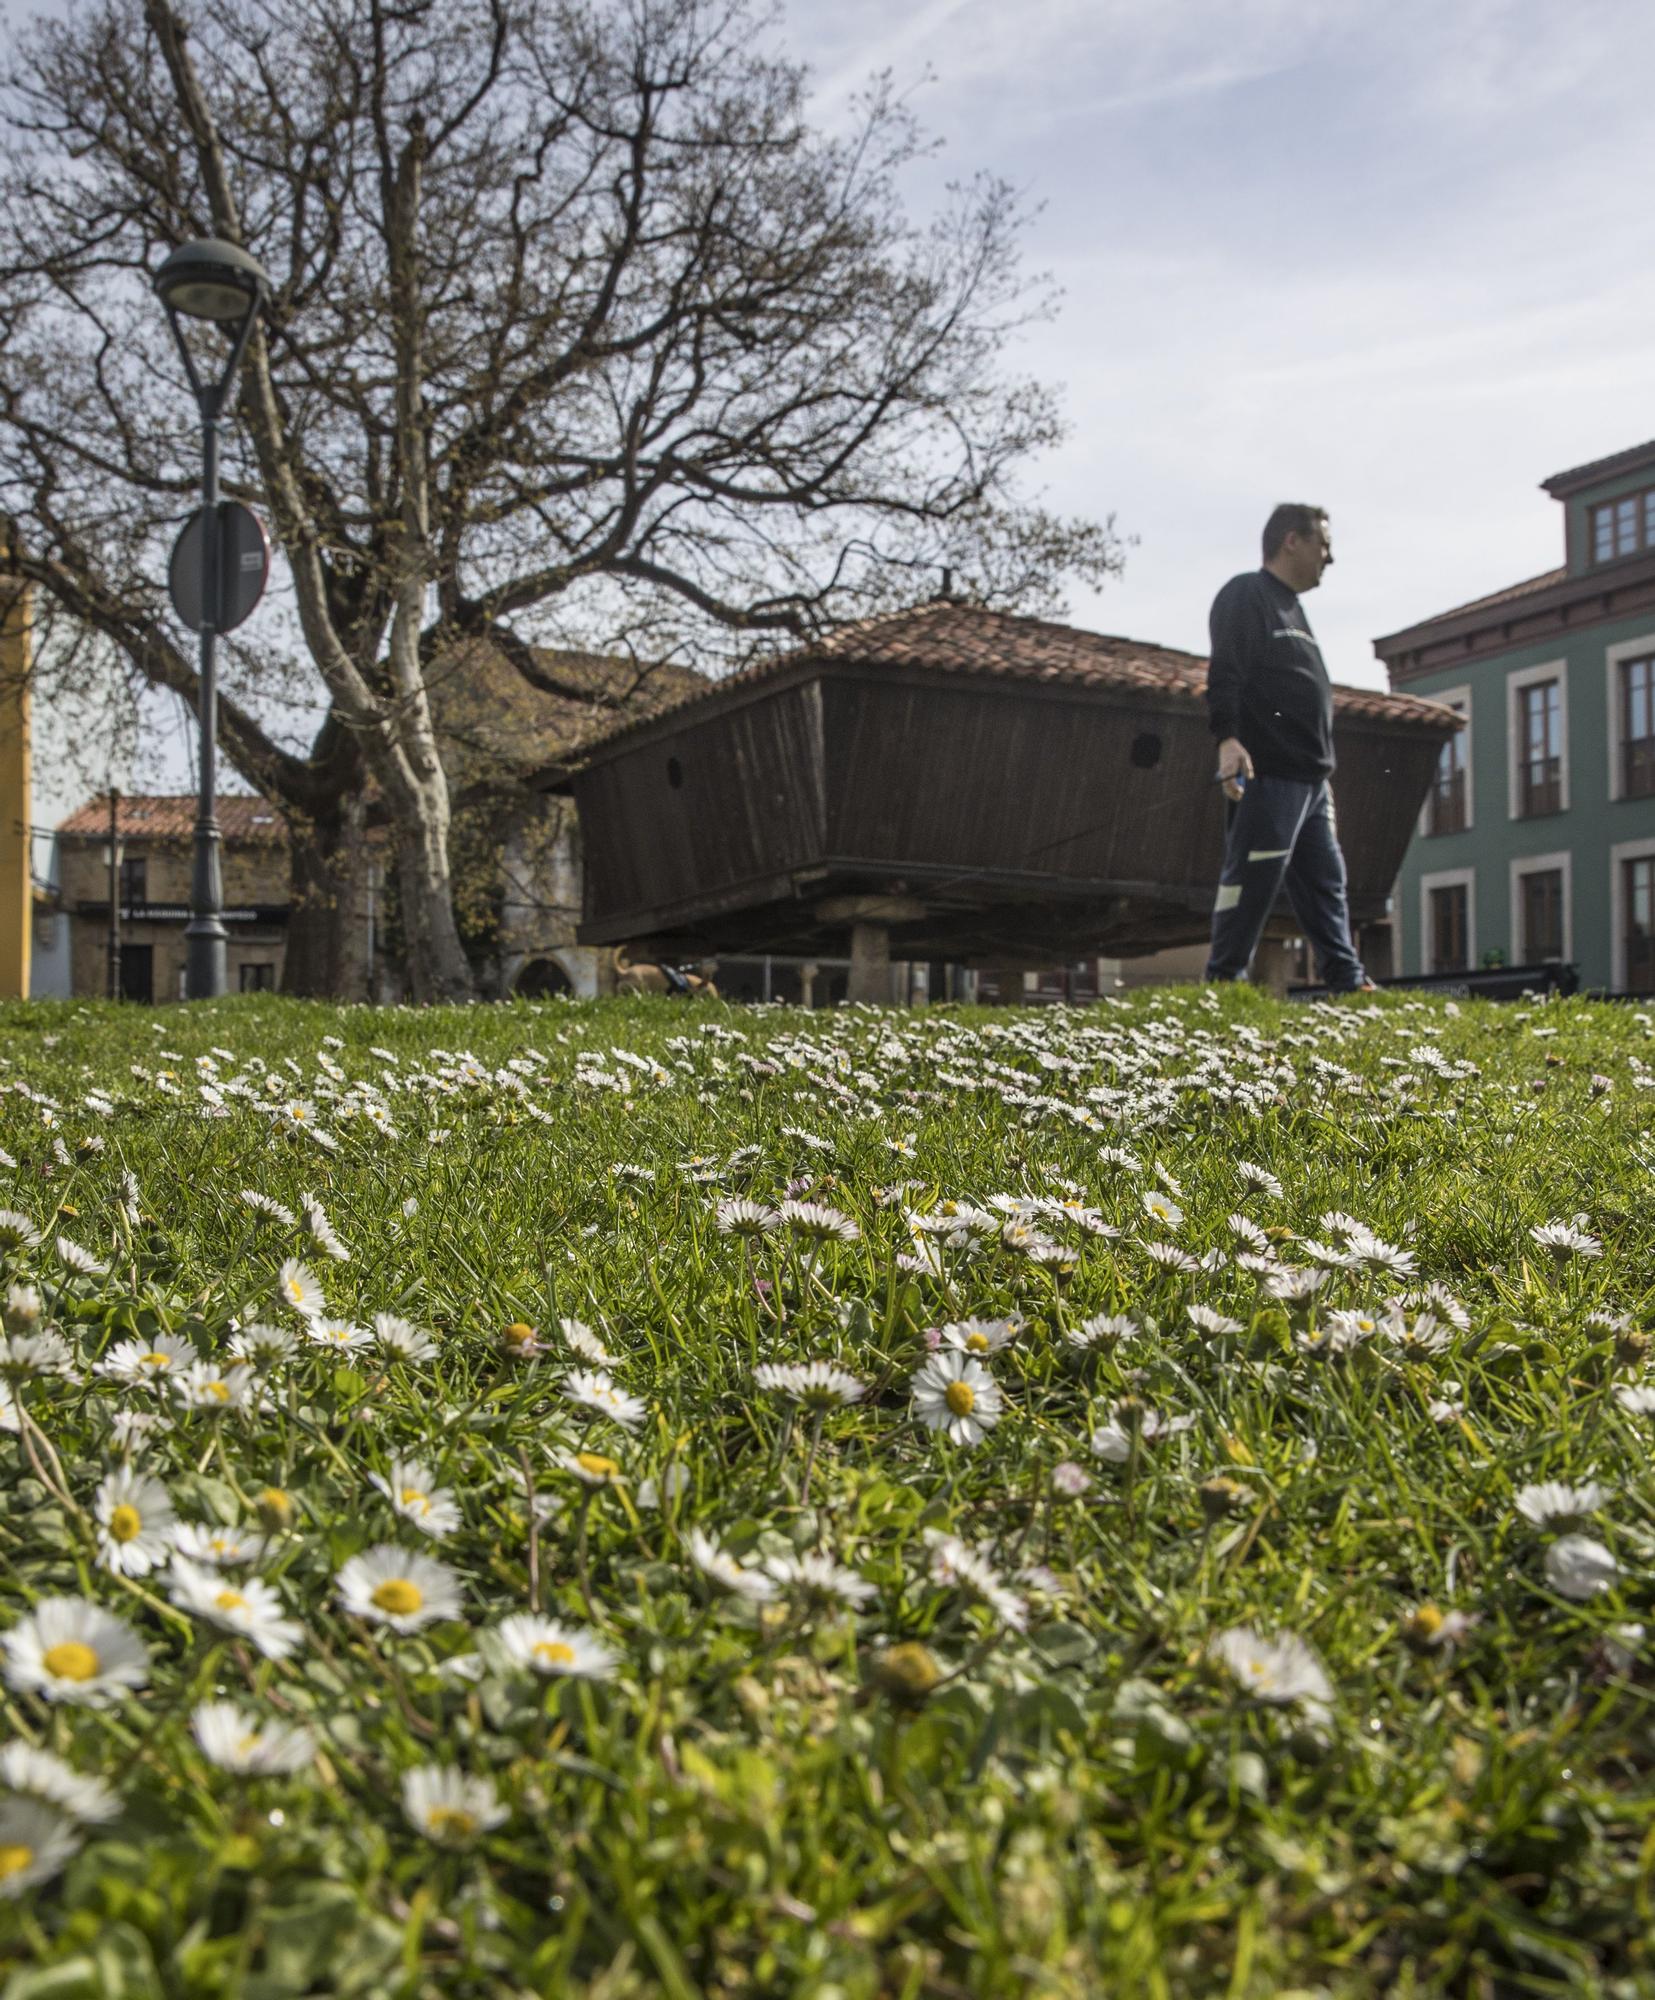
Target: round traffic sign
point(243, 567)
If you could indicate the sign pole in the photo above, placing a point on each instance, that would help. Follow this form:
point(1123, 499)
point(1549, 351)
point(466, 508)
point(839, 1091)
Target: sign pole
point(205, 937)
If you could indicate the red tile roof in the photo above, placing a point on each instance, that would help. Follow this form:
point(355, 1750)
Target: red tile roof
point(950, 637)
point(1529, 587)
point(1562, 484)
point(243, 821)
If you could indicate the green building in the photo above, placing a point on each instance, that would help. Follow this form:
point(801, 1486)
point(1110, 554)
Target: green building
point(1537, 842)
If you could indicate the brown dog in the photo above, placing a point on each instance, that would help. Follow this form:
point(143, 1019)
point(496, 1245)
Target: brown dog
point(671, 979)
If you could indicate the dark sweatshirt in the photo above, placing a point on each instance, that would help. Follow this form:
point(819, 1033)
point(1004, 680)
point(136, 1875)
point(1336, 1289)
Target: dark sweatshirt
point(1266, 682)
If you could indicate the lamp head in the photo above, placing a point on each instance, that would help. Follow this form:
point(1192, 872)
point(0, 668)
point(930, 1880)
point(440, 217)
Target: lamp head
point(209, 279)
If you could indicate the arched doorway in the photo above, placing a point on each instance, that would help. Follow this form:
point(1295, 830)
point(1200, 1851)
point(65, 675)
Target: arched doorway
point(542, 979)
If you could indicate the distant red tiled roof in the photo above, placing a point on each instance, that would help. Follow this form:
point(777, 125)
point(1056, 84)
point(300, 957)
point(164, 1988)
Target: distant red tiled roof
point(171, 816)
point(1528, 588)
point(1562, 484)
point(958, 638)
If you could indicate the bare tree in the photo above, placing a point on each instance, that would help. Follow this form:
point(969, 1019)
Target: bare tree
point(579, 333)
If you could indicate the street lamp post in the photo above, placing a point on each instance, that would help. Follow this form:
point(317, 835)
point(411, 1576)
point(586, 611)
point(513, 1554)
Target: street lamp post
point(113, 856)
point(214, 281)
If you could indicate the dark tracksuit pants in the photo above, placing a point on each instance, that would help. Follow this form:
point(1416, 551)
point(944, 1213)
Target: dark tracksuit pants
point(1282, 830)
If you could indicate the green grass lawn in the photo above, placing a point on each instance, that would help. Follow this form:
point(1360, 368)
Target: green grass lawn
point(659, 1498)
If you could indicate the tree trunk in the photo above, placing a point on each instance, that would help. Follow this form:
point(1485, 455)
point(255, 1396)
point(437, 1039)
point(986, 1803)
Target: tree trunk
point(436, 964)
point(327, 931)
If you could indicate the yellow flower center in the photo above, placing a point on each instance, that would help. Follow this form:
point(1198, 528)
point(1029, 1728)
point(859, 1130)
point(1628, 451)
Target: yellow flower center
point(960, 1397)
point(555, 1653)
point(155, 1359)
point(397, 1596)
point(295, 1290)
point(230, 1600)
point(297, 1113)
point(596, 1464)
point(71, 1660)
point(219, 1391)
point(124, 1524)
point(977, 1342)
point(450, 1823)
point(13, 1860)
point(519, 1334)
point(411, 1496)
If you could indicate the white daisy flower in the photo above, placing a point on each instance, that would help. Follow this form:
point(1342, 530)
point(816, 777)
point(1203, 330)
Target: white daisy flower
point(82, 1260)
point(815, 1385)
point(250, 1609)
point(537, 1645)
point(1210, 1321)
point(398, 1587)
point(69, 1649)
point(322, 1231)
point(1550, 1501)
point(24, 1356)
point(956, 1394)
point(1112, 1441)
point(1565, 1239)
point(1577, 1567)
point(135, 1520)
point(1163, 1208)
point(449, 1807)
point(37, 1774)
point(957, 1564)
point(1260, 1177)
point(819, 1579)
point(36, 1843)
point(979, 1336)
point(24, 1308)
point(715, 1562)
point(746, 1218)
point(1101, 1330)
point(400, 1336)
point(343, 1335)
point(596, 1391)
point(1281, 1669)
point(1636, 1401)
point(1171, 1258)
point(221, 1548)
point(17, 1232)
point(235, 1739)
point(274, 1209)
point(412, 1492)
point(591, 1467)
point(301, 1289)
point(586, 1343)
point(817, 1222)
point(205, 1386)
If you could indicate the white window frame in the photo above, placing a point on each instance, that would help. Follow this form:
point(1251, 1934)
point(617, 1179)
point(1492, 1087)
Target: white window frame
point(1522, 677)
point(1622, 851)
point(1629, 649)
point(1539, 864)
point(1450, 697)
point(1448, 878)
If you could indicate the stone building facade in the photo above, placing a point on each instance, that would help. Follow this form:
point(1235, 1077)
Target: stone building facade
point(152, 892)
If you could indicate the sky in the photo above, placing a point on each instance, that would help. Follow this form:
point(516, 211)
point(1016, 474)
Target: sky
point(1387, 258)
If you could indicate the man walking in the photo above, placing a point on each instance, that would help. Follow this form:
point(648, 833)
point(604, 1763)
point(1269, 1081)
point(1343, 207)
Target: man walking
point(1271, 708)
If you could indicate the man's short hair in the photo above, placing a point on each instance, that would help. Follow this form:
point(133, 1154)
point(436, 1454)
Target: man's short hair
point(1292, 517)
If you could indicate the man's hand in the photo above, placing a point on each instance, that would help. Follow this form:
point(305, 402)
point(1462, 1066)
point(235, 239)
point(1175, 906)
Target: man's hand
point(1234, 764)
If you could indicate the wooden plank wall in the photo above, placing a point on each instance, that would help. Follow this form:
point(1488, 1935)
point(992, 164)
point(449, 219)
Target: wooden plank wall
point(748, 803)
